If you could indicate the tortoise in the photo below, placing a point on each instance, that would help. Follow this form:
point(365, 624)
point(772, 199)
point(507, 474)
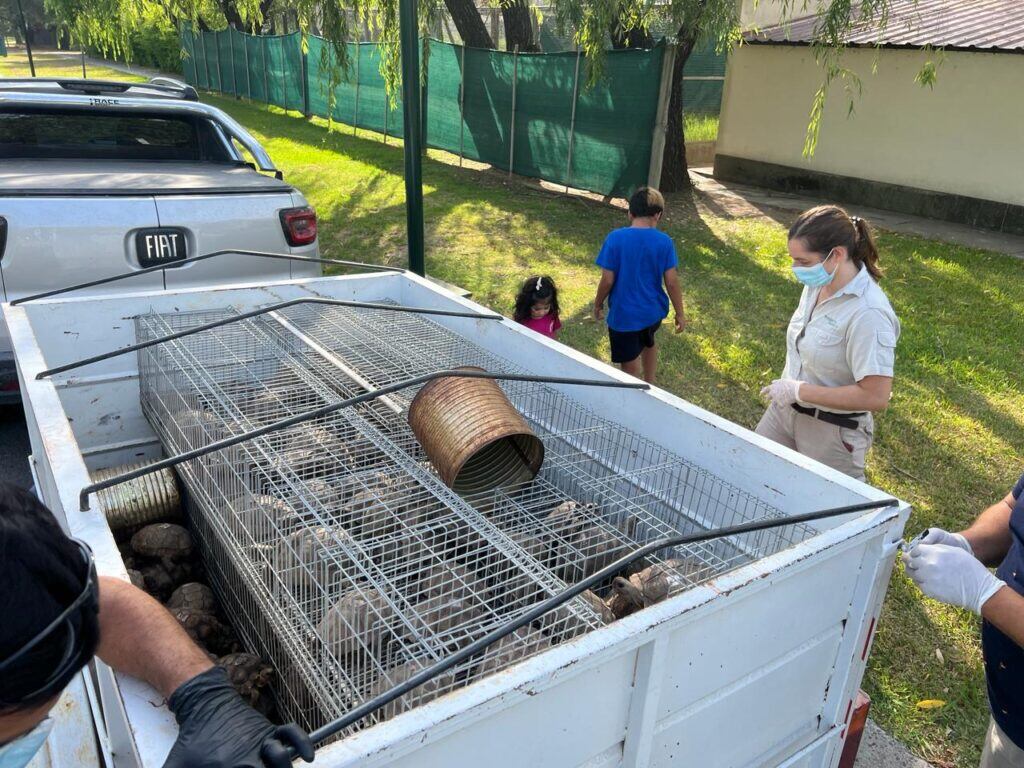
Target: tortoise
point(268, 406)
point(309, 559)
point(651, 585)
point(265, 516)
point(157, 581)
point(599, 606)
point(599, 547)
point(625, 599)
point(307, 463)
point(448, 579)
point(136, 578)
point(428, 691)
point(200, 426)
point(440, 614)
point(127, 556)
point(206, 630)
point(322, 441)
point(356, 621)
point(248, 673)
point(194, 596)
point(511, 649)
point(329, 494)
point(162, 541)
point(570, 516)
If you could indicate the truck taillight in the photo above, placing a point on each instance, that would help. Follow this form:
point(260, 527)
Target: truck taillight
point(299, 225)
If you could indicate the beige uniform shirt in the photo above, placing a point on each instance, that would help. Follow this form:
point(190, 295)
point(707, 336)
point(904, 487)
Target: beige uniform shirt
point(848, 336)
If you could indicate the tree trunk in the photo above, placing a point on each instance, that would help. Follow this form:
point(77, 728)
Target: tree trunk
point(675, 175)
point(467, 20)
point(518, 26)
point(231, 14)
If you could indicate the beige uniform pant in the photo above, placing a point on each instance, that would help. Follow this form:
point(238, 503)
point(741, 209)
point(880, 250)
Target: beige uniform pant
point(999, 751)
point(838, 447)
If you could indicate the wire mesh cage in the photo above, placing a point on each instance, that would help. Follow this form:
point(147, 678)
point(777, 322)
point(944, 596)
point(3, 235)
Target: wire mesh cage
point(337, 550)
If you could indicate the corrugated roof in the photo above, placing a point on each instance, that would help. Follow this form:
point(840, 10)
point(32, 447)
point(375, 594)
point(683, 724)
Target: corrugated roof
point(995, 25)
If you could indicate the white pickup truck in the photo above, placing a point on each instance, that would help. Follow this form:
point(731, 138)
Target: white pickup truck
point(99, 178)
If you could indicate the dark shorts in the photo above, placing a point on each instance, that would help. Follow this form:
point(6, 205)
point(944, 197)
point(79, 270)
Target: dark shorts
point(627, 345)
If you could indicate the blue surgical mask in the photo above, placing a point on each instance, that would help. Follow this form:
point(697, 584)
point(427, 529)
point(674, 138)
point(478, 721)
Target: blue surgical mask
point(18, 753)
point(816, 276)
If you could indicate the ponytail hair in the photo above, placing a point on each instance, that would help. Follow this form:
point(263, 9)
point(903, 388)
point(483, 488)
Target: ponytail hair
point(828, 226)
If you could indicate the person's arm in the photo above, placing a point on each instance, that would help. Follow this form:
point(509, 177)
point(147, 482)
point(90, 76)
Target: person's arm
point(989, 535)
point(675, 295)
point(604, 287)
point(216, 728)
point(1005, 610)
point(869, 394)
point(139, 637)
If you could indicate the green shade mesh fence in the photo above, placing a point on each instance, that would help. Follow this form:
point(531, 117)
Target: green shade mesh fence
point(599, 141)
point(703, 77)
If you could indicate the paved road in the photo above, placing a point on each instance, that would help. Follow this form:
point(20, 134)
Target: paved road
point(14, 447)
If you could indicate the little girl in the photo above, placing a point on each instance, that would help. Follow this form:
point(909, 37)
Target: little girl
point(537, 306)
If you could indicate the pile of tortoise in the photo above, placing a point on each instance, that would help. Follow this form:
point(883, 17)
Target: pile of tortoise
point(161, 559)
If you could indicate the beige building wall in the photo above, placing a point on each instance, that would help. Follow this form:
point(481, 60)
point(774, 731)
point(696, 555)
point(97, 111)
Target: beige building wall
point(964, 136)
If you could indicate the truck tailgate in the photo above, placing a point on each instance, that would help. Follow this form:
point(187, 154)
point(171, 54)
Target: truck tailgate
point(58, 241)
point(233, 222)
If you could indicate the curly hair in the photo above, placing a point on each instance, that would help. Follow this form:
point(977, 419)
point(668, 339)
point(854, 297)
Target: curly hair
point(535, 288)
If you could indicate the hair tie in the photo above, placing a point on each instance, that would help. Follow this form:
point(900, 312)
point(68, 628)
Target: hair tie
point(856, 220)
point(539, 281)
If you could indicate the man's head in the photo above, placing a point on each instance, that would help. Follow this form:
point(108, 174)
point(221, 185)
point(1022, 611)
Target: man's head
point(43, 573)
point(646, 203)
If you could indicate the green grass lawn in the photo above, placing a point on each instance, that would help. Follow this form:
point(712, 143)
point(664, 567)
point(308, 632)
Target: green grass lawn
point(951, 442)
point(700, 126)
point(49, 64)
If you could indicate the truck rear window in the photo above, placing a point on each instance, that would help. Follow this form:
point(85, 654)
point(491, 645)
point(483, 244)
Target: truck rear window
point(96, 135)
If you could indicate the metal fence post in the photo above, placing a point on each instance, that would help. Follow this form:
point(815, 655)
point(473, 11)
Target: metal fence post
point(84, 76)
point(572, 120)
point(220, 67)
point(387, 111)
point(248, 77)
point(661, 118)
point(304, 73)
point(284, 75)
point(232, 34)
point(206, 59)
point(425, 96)
point(266, 77)
point(512, 122)
point(355, 111)
point(462, 104)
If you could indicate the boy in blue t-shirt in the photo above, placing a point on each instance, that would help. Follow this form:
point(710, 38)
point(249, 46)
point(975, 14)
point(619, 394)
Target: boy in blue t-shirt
point(635, 261)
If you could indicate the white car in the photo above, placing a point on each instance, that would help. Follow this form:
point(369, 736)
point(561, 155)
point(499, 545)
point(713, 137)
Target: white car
point(99, 178)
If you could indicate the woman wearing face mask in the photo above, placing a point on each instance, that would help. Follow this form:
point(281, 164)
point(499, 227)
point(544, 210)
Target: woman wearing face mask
point(840, 346)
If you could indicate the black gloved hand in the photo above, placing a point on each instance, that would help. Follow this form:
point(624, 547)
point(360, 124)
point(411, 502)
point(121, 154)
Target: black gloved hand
point(216, 729)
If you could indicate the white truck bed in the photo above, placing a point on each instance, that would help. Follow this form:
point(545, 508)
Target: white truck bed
point(758, 667)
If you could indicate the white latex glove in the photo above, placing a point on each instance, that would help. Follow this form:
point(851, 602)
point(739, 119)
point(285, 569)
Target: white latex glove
point(951, 575)
point(782, 391)
point(939, 536)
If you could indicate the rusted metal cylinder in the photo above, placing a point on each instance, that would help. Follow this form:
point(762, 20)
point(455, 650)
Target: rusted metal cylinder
point(473, 435)
point(147, 499)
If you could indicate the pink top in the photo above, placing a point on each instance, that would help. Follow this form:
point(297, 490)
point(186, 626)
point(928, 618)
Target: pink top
point(548, 325)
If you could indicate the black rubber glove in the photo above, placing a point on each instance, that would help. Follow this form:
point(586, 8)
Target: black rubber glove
point(217, 729)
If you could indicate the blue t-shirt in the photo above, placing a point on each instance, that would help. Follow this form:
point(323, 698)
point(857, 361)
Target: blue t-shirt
point(639, 257)
point(1004, 659)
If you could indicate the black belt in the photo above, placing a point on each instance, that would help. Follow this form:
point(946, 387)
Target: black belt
point(847, 420)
